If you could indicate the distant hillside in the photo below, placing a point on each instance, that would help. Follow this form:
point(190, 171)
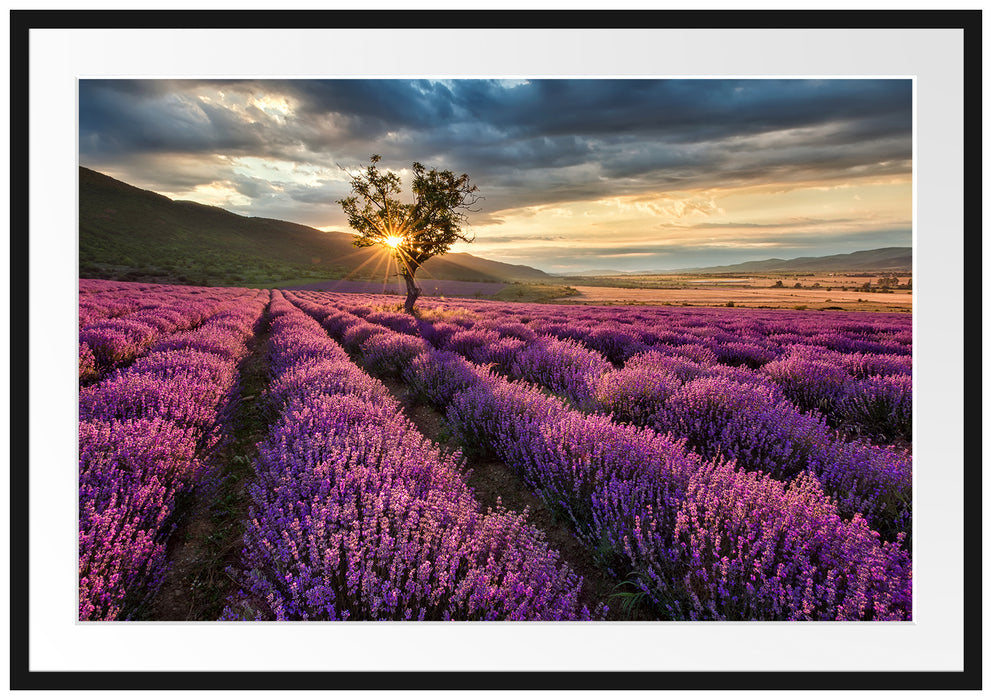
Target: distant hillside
point(877, 260)
point(129, 233)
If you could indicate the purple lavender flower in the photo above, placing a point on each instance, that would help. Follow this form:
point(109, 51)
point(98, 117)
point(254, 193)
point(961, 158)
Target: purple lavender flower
point(357, 516)
point(140, 431)
point(881, 407)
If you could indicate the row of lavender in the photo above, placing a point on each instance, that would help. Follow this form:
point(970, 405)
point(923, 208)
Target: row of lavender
point(355, 515)
point(856, 373)
point(90, 287)
point(719, 410)
point(105, 299)
point(624, 331)
point(702, 539)
point(117, 323)
point(142, 434)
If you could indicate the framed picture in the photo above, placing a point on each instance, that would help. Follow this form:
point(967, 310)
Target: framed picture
point(920, 66)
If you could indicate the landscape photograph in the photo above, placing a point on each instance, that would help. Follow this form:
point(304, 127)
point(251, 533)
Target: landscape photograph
point(479, 350)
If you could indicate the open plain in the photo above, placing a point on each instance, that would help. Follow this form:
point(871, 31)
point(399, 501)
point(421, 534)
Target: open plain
point(755, 297)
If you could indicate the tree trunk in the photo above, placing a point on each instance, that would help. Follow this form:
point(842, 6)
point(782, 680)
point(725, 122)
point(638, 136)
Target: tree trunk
point(412, 292)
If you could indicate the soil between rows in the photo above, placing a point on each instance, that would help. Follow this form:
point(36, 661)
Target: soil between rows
point(209, 537)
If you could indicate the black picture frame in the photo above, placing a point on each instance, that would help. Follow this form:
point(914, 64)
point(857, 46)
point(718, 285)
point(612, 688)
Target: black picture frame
point(21, 675)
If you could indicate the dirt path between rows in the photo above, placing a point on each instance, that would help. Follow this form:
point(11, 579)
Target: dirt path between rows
point(209, 538)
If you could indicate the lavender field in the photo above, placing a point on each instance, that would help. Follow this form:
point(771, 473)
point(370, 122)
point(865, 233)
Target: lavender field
point(430, 287)
point(698, 463)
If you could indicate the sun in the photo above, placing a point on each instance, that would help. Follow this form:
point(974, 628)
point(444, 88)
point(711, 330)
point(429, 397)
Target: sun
point(393, 241)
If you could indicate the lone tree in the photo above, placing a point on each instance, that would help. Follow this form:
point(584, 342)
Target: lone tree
point(414, 232)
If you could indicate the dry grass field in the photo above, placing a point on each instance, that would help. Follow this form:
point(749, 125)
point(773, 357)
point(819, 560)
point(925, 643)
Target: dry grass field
point(756, 292)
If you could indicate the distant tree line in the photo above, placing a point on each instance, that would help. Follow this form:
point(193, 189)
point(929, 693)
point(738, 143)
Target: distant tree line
point(883, 284)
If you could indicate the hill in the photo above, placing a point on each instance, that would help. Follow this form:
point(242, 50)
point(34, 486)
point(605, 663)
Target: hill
point(129, 233)
point(876, 260)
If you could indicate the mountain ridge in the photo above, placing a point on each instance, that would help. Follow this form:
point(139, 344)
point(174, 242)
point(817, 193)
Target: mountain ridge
point(875, 259)
point(892, 258)
point(126, 232)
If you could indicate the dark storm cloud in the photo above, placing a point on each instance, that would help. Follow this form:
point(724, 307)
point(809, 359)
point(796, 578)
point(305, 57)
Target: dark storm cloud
point(479, 126)
point(118, 117)
point(542, 142)
point(374, 106)
point(683, 111)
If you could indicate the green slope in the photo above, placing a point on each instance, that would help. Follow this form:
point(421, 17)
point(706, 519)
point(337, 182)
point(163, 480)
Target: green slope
point(129, 233)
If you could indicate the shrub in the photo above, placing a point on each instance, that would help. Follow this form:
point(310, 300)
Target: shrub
point(566, 367)
point(634, 394)
point(881, 407)
point(389, 353)
point(87, 364)
point(355, 335)
point(435, 377)
point(811, 384)
point(747, 547)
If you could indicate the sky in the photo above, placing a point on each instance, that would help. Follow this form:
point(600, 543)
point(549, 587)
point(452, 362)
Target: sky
point(576, 175)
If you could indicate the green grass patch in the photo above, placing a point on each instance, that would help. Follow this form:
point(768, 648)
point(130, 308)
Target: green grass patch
point(533, 293)
point(283, 283)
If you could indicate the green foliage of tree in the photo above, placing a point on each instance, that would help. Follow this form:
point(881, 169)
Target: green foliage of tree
point(414, 231)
